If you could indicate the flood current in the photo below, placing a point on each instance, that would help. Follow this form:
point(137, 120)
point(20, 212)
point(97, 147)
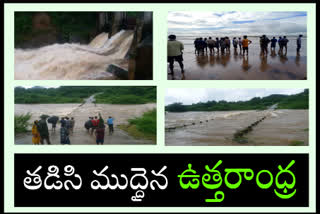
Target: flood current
point(81, 113)
point(280, 128)
point(73, 61)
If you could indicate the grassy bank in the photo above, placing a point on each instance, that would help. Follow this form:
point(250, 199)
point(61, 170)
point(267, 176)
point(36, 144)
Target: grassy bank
point(144, 127)
point(21, 123)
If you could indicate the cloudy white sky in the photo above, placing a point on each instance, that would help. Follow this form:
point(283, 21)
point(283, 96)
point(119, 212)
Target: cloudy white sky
point(238, 23)
point(43, 86)
point(195, 95)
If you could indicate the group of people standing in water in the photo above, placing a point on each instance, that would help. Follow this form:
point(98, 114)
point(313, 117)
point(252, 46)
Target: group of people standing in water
point(40, 130)
point(224, 43)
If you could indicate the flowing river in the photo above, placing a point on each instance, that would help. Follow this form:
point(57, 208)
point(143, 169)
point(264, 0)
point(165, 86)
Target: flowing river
point(281, 128)
point(81, 113)
point(74, 61)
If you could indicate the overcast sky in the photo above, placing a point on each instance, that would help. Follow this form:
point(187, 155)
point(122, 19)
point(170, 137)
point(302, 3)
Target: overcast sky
point(238, 23)
point(43, 86)
point(195, 95)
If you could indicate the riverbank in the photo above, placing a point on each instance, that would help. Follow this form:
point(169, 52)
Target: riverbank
point(144, 127)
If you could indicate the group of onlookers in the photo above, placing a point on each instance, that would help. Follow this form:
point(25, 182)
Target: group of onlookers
point(282, 42)
point(40, 131)
point(98, 128)
point(223, 44)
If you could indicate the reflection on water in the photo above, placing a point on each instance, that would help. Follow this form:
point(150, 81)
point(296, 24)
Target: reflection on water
point(245, 63)
point(264, 63)
point(281, 127)
point(283, 58)
point(274, 64)
point(297, 60)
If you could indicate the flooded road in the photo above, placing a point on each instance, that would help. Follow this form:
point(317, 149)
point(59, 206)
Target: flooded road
point(281, 128)
point(235, 66)
point(81, 113)
point(74, 61)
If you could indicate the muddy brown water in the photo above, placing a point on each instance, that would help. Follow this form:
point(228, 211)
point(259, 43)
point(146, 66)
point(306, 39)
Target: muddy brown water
point(280, 128)
point(120, 113)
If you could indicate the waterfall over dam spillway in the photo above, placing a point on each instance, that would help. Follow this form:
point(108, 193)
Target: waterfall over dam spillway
point(73, 61)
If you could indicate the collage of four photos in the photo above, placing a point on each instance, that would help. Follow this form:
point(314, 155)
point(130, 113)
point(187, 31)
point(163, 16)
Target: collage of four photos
point(201, 46)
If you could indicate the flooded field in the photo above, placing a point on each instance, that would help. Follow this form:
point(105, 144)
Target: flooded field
point(280, 128)
point(235, 66)
point(81, 113)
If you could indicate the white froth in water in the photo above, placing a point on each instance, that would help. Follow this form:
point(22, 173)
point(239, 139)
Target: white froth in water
point(73, 61)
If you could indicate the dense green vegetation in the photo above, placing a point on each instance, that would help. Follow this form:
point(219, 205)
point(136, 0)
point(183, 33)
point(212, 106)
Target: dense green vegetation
point(143, 127)
point(76, 94)
point(147, 123)
point(21, 123)
point(127, 95)
point(63, 24)
point(296, 101)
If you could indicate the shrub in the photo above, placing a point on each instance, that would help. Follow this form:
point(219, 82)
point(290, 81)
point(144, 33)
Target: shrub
point(21, 122)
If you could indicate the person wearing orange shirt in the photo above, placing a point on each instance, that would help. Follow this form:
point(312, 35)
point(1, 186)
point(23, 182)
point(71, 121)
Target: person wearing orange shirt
point(245, 44)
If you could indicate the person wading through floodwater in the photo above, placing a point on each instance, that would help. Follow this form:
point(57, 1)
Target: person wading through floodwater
point(264, 44)
point(284, 42)
point(240, 44)
point(245, 44)
point(195, 45)
point(227, 42)
point(222, 45)
point(175, 49)
point(43, 130)
point(110, 125)
point(299, 43)
point(217, 44)
point(273, 44)
point(211, 45)
point(205, 44)
point(235, 43)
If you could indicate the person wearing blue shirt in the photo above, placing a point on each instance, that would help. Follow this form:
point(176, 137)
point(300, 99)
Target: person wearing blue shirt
point(273, 43)
point(110, 125)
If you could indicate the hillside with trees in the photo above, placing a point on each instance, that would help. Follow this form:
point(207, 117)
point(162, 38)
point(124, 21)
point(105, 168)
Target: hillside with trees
point(296, 101)
point(77, 94)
